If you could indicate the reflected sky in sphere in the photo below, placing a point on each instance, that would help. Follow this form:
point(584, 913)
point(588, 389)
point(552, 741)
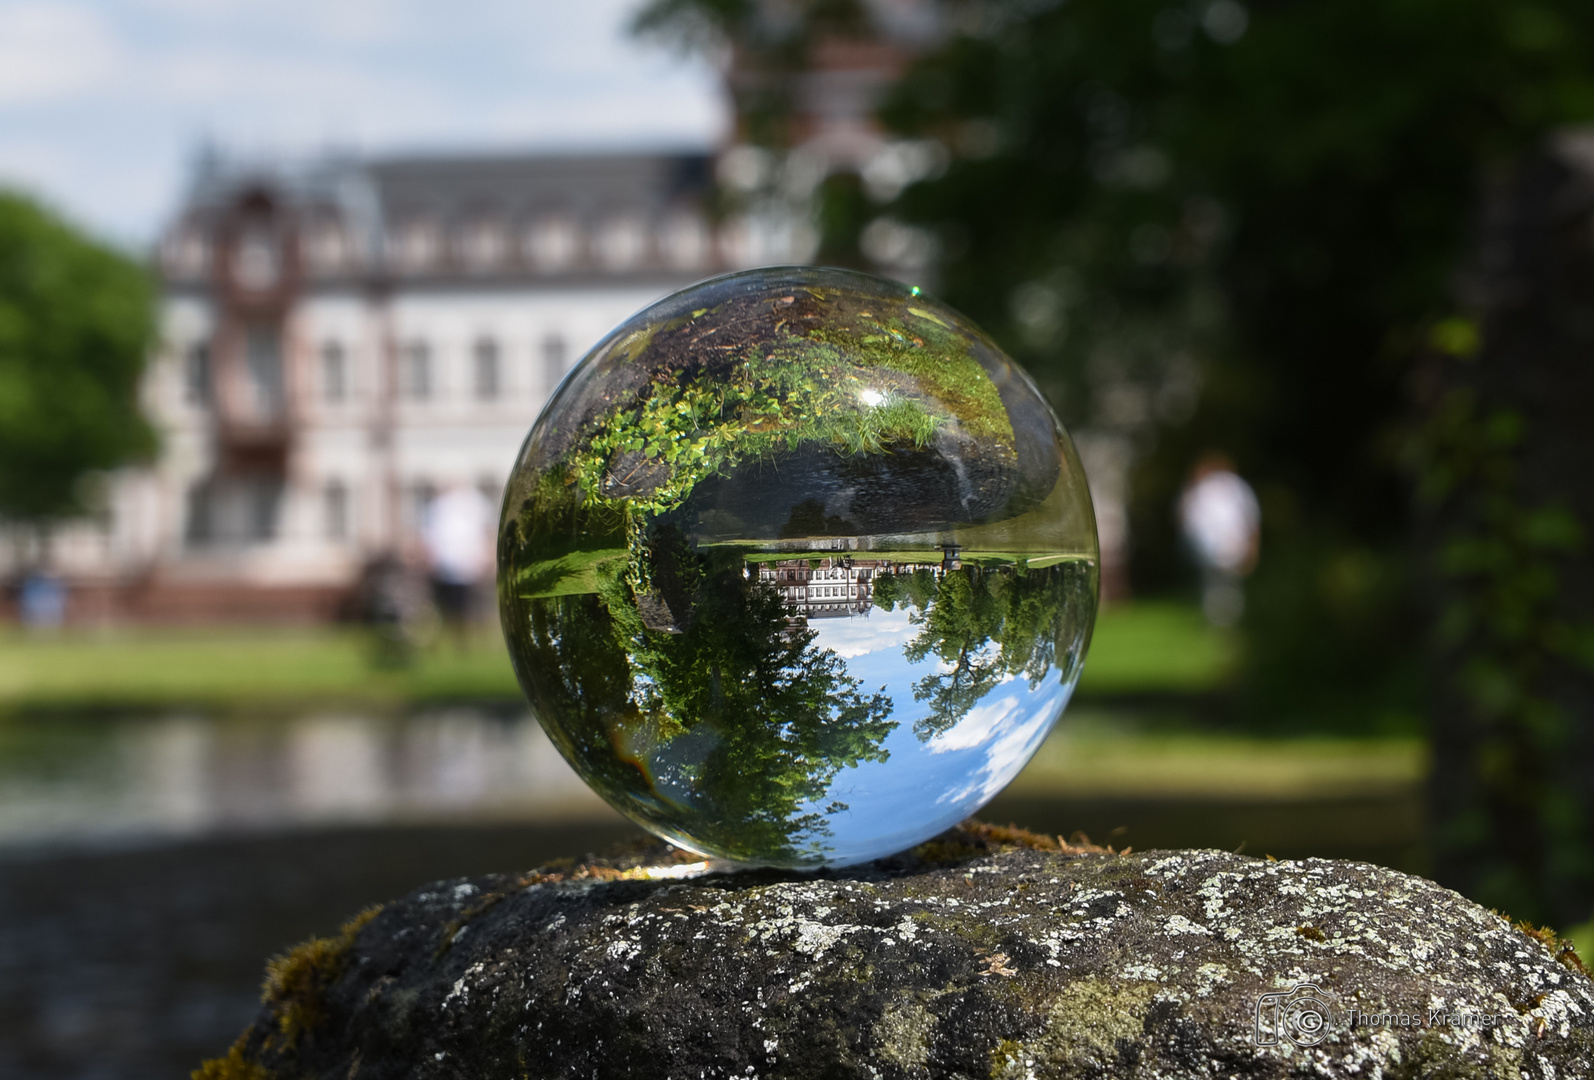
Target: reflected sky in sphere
point(954, 773)
point(797, 568)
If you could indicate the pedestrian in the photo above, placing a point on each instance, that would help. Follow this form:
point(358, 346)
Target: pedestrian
point(1222, 526)
point(457, 532)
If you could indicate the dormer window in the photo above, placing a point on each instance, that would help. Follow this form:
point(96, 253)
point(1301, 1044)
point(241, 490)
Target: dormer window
point(553, 243)
point(483, 244)
point(326, 247)
point(186, 252)
point(256, 265)
point(416, 245)
point(685, 242)
point(622, 242)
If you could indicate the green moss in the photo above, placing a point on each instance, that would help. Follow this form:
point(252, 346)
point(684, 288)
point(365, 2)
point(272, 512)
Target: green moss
point(1564, 951)
point(937, 357)
point(1084, 1024)
point(235, 1066)
point(297, 981)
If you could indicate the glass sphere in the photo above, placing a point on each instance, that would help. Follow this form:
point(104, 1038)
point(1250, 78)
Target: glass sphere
point(797, 568)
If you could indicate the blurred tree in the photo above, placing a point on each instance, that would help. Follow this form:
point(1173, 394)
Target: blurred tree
point(76, 325)
point(1206, 224)
point(1267, 204)
point(1505, 460)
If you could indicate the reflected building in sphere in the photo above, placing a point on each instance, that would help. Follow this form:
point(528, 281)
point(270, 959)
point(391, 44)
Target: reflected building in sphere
point(831, 588)
point(344, 338)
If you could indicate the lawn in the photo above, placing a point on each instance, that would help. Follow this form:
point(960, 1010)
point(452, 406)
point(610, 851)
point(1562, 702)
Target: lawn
point(1089, 755)
point(1157, 647)
point(239, 667)
point(1140, 648)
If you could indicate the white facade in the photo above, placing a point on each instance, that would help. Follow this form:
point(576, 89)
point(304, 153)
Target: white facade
point(341, 342)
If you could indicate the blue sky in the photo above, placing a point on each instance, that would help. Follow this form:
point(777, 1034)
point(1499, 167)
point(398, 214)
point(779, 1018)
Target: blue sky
point(103, 105)
point(924, 787)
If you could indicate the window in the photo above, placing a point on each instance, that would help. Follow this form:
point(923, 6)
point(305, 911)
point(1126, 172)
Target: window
point(335, 499)
point(553, 243)
point(418, 498)
point(685, 241)
point(263, 368)
point(415, 371)
point(196, 374)
point(334, 373)
point(233, 511)
point(622, 242)
point(186, 252)
point(326, 247)
point(482, 244)
point(487, 369)
point(255, 264)
point(553, 361)
point(415, 245)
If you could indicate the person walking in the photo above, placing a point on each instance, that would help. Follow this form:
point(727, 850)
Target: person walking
point(1222, 525)
point(457, 532)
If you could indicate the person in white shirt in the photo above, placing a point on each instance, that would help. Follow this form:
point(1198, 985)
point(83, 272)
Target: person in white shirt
point(458, 532)
point(1222, 524)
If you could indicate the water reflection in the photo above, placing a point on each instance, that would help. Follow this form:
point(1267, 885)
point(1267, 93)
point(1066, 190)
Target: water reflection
point(77, 779)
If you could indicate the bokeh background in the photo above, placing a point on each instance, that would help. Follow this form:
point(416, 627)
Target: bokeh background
point(277, 281)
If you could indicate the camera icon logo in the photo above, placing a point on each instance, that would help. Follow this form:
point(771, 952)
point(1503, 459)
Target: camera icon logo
point(1301, 1015)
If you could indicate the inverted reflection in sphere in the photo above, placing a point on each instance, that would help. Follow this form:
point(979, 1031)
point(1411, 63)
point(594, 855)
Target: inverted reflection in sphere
point(797, 568)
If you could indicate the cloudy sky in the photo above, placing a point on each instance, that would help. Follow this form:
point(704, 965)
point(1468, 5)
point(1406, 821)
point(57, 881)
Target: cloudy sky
point(104, 104)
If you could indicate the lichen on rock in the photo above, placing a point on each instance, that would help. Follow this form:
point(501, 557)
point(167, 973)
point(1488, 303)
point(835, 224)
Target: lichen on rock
point(988, 953)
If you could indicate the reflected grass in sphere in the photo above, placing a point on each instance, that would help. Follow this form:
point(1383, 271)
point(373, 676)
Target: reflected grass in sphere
point(797, 568)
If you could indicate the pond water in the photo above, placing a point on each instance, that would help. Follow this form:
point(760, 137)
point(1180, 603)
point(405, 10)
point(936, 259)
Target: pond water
point(139, 778)
point(149, 864)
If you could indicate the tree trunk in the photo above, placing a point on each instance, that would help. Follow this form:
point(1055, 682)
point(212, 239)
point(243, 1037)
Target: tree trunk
point(1507, 485)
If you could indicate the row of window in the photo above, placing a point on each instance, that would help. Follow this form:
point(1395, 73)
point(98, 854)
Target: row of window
point(237, 511)
point(421, 243)
point(417, 370)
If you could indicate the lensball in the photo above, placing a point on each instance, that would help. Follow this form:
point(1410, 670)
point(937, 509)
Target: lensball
point(796, 568)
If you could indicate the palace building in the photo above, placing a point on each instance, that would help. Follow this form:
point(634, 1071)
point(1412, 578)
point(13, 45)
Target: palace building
point(343, 339)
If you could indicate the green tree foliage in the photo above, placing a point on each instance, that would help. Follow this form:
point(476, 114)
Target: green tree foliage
point(76, 325)
point(984, 627)
point(704, 693)
point(1274, 198)
point(1218, 225)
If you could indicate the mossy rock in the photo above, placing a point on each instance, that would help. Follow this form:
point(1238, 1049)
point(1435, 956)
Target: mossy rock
point(986, 953)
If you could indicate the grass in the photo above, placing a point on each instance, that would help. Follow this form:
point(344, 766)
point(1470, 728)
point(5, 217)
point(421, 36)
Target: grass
point(569, 574)
point(1086, 758)
point(1137, 648)
point(238, 667)
point(1157, 647)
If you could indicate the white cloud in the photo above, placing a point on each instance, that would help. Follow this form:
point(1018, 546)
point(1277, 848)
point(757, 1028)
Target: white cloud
point(1011, 728)
point(978, 725)
point(861, 635)
point(101, 108)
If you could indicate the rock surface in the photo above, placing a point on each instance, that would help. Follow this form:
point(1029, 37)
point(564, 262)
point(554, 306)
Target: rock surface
point(987, 953)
